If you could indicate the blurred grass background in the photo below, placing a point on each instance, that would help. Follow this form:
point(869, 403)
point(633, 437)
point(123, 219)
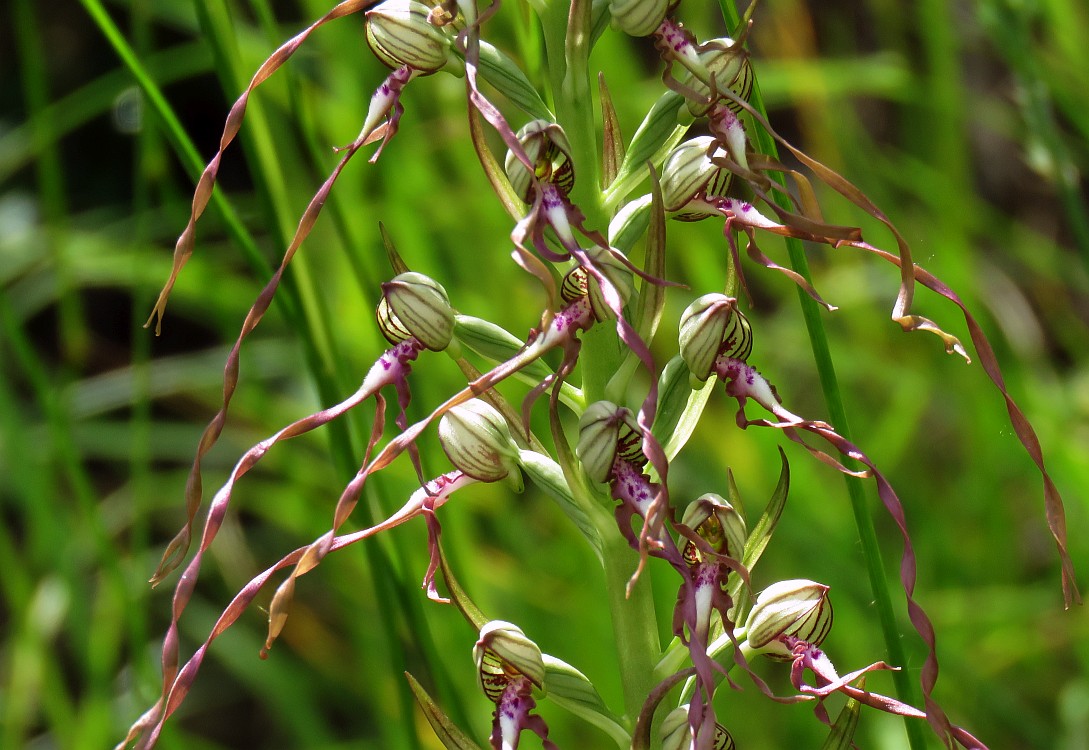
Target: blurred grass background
point(964, 121)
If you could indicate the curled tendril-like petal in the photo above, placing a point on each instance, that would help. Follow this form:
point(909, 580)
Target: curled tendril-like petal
point(146, 730)
point(749, 218)
point(178, 547)
point(391, 368)
point(744, 382)
point(183, 249)
point(807, 656)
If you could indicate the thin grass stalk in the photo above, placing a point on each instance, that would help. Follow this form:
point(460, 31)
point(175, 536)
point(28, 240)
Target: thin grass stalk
point(367, 276)
point(17, 586)
point(294, 311)
point(141, 482)
point(269, 182)
point(73, 483)
point(23, 143)
point(1012, 33)
point(906, 688)
point(49, 173)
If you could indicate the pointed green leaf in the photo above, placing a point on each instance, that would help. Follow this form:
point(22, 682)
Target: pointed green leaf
point(651, 295)
point(548, 475)
point(493, 170)
point(612, 151)
point(446, 730)
point(572, 690)
point(395, 260)
point(461, 600)
point(761, 533)
point(843, 731)
point(503, 73)
point(679, 406)
point(656, 136)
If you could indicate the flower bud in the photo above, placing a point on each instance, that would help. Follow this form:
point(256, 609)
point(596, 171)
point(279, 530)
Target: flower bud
point(719, 524)
point(547, 147)
point(579, 283)
point(728, 63)
point(502, 654)
point(713, 327)
point(606, 431)
point(797, 608)
point(689, 173)
point(400, 32)
point(638, 17)
point(677, 734)
point(477, 441)
point(416, 305)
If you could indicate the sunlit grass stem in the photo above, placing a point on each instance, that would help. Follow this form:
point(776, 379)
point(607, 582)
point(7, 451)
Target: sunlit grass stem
point(906, 688)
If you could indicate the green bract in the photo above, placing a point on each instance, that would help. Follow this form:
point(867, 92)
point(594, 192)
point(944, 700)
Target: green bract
point(400, 32)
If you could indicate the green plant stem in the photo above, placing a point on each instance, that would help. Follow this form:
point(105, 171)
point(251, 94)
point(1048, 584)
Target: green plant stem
point(635, 629)
point(1010, 25)
point(906, 688)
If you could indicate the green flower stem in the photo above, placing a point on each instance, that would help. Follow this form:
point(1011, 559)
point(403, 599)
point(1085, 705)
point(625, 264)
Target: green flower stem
point(906, 688)
point(577, 117)
point(635, 628)
point(567, 41)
